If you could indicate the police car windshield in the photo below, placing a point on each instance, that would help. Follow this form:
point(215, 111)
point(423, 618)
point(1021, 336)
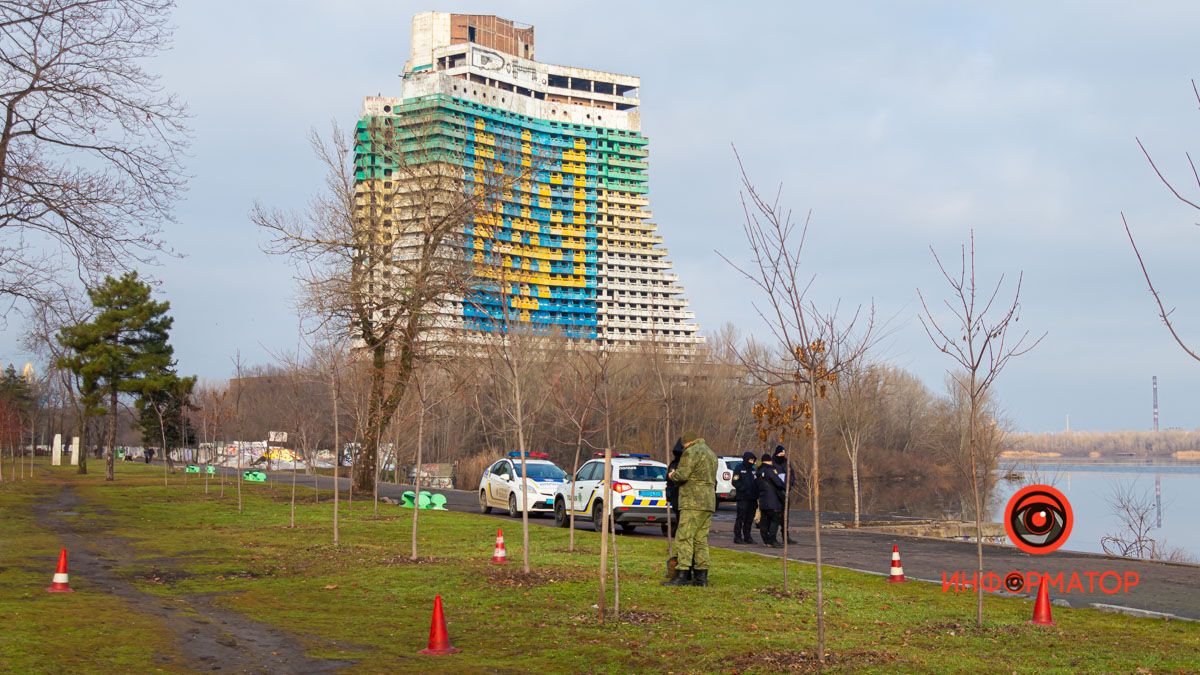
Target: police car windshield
point(733, 463)
point(648, 472)
point(538, 471)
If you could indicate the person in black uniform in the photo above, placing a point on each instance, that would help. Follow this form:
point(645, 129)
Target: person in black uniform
point(672, 486)
point(770, 501)
point(788, 479)
point(745, 482)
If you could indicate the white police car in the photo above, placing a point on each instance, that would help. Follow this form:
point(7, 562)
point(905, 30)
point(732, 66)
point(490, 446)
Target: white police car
point(500, 486)
point(639, 493)
point(726, 466)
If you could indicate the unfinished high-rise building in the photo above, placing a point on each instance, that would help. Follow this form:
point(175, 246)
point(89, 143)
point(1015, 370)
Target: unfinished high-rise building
point(566, 243)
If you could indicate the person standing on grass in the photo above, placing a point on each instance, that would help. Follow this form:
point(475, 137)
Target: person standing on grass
point(696, 476)
point(745, 485)
point(770, 501)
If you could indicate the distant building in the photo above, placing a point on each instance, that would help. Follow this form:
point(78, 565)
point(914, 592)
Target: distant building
point(573, 236)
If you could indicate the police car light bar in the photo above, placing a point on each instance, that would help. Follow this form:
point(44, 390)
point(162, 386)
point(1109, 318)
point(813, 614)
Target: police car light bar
point(516, 454)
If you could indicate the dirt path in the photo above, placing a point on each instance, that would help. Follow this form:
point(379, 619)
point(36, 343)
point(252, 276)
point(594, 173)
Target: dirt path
point(209, 638)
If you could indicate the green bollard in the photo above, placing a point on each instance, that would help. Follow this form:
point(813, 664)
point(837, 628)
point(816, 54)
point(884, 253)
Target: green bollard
point(211, 469)
point(439, 502)
point(425, 500)
point(254, 476)
point(192, 468)
point(406, 499)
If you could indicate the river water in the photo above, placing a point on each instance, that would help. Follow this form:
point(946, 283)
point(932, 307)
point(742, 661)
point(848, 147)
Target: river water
point(1171, 492)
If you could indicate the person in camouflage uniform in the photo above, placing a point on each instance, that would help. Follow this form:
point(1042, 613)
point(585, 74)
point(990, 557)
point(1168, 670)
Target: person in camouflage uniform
point(697, 479)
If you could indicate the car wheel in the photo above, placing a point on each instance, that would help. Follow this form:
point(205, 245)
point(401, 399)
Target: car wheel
point(666, 533)
point(483, 503)
point(512, 507)
point(561, 518)
point(597, 515)
point(628, 527)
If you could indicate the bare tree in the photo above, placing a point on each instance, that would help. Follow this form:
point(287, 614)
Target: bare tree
point(90, 144)
point(575, 390)
point(980, 337)
point(1164, 314)
point(427, 399)
point(381, 250)
point(855, 415)
point(45, 322)
point(812, 346)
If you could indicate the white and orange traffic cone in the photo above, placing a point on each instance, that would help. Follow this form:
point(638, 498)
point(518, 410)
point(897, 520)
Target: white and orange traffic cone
point(897, 575)
point(500, 556)
point(60, 583)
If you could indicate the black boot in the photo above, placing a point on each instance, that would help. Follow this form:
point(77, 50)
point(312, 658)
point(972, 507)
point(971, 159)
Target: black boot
point(748, 539)
point(681, 578)
point(737, 539)
point(700, 578)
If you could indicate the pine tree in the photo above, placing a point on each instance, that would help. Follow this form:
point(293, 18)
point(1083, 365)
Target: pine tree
point(118, 351)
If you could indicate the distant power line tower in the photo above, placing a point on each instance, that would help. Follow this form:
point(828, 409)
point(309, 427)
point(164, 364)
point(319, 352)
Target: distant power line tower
point(1154, 380)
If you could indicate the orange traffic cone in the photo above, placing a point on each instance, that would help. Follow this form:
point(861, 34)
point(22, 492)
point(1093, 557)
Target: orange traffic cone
point(500, 556)
point(1041, 607)
point(897, 575)
point(439, 639)
point(59, 584)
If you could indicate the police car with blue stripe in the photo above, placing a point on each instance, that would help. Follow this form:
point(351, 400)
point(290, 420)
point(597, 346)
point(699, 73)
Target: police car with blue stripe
point(639, 494)
point(500, 486)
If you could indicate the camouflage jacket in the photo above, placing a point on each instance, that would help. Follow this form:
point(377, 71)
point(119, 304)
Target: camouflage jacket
point(697, 478)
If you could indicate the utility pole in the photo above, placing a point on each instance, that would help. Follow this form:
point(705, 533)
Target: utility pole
point(1154, 381)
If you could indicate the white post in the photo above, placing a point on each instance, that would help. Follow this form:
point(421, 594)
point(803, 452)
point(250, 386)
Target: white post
point(56, 451)
point(74, 451)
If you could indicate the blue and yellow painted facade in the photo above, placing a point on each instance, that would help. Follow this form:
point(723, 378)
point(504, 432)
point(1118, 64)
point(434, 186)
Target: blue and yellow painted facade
point(541, 235)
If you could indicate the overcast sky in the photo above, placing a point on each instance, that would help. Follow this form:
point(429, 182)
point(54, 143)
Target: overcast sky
point(900, 125)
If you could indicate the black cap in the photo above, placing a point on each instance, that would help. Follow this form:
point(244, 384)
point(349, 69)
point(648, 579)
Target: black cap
point(766, 457)
point(780, 450)
point(749, 456)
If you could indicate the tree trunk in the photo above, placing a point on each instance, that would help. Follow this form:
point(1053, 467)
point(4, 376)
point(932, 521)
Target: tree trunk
point(571, 506)
point(337, 456)
point(854, 479)
point(971, 443)
point(417, 477)
point(816, 495)
point(292, 521)
point(612, 527)
point(109, 461)
point(524, 483)
point(667, 459)
point(604, 531)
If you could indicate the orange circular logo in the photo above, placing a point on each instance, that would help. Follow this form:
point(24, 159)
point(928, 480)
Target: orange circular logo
point(1038, 519)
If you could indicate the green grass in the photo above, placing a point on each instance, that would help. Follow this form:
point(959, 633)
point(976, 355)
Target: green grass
point(377, 611)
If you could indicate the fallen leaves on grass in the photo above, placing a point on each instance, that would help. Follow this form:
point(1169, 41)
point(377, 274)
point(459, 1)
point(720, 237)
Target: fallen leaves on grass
point(330, 587)
point(517, 578)
point(806, 661)
point(779, 594)
point(639, 617)
point(406, 560)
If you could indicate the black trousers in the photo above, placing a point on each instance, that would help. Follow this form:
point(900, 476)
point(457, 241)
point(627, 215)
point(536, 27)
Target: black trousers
point(769, 524)
point(745, 518)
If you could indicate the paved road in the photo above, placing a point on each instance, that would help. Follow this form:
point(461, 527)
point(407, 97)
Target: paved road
point(1161, 588)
